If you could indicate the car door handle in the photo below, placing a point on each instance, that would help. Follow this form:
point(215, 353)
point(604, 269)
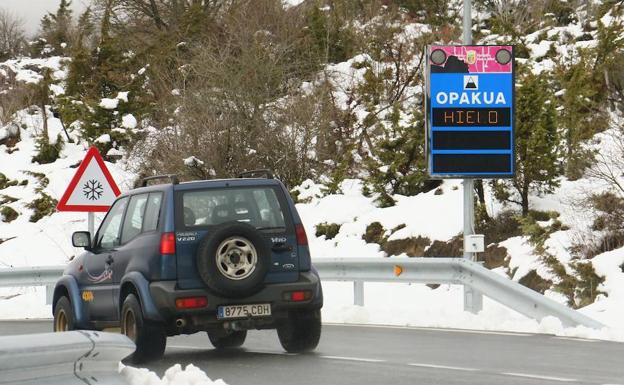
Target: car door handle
point(281, 247)
point(110, 260)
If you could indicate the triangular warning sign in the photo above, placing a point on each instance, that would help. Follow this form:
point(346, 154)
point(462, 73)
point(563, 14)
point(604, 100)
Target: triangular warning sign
point(92, 188)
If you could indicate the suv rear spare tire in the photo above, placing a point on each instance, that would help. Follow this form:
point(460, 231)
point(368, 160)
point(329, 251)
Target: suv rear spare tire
point(233, 259)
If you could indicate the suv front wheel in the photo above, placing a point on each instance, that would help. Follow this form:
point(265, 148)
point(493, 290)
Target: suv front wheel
point(300, 331)
point(63, 315)
point(150, 338)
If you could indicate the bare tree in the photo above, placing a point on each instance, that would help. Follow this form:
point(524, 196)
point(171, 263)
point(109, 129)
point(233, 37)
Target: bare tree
point(11, 34)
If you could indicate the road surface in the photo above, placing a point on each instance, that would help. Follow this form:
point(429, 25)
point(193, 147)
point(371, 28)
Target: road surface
point(386, 355)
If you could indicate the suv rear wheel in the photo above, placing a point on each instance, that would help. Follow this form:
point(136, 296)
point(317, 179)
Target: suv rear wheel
point(301, 331)
point(150, 338)
point(222, 340)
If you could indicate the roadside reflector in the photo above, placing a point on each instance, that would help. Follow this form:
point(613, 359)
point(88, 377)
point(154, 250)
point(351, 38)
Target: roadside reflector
point(398, 270)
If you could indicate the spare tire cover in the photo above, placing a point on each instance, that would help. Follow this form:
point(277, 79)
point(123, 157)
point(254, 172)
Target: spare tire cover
point(233, 259)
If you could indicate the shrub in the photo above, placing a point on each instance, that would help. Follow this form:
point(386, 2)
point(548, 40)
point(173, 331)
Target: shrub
point(452, 248)
point(4, 199)
point(8, 214)
point(374, 233)
point(413, 246)
point(534, 281)
point(580, 290)
point(494, 256)
point(43, 206)
point(329, 230)
point(6, 182)
point(46, 151)
point(505, 225)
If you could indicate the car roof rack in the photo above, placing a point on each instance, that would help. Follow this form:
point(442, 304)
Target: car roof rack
point(173, 177)
point(262, 173)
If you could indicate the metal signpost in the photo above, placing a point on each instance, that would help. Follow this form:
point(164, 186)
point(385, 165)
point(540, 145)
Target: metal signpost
point(91, 190)
point(469, 118)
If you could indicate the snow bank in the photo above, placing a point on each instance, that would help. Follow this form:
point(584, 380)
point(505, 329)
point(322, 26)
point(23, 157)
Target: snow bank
point(416, 305)
point(175, 375)
point(436, 216)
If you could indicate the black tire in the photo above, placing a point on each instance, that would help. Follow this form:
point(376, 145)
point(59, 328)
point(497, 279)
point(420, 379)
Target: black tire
point(301, 331)
point(64, 319)
point(232, 340)
point(207, 263)
point(149, 337)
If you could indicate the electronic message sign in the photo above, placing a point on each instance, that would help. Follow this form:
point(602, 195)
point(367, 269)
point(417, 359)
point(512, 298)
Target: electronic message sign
point(469, 112)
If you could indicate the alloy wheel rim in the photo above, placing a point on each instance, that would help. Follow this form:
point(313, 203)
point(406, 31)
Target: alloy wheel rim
point(236, 258)
point(129, 325)
point(61, 322)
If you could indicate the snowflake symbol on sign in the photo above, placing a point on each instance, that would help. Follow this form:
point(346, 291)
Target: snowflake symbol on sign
point(92, 190)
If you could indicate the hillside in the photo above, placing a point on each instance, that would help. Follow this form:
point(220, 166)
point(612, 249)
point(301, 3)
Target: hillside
point(329, 95)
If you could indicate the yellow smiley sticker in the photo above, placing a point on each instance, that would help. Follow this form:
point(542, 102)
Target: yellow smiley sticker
point(87, 296)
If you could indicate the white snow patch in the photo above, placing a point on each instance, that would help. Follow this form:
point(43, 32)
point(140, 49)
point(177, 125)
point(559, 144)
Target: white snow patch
point(122, 96)
point(193, 161)
point(175, 375)
point(105, 138)
point(109, 104)
point(129, 121)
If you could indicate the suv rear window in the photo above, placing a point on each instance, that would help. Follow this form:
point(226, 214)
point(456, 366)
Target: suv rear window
point(258, 206)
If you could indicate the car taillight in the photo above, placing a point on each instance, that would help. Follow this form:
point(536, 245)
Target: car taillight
point(191, 302)
point(302, 238)
point(167, 243)
point(297, 296)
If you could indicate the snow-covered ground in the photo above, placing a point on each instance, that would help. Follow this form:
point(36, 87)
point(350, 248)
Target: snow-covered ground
point(435, 215)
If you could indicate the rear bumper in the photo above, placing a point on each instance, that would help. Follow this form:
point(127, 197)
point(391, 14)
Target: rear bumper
point(165, 293)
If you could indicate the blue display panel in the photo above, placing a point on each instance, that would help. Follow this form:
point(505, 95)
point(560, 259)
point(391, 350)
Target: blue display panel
point(470, 113)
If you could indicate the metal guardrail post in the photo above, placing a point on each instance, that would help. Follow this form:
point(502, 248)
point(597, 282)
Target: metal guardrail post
point(49, 294)
point(358, 293)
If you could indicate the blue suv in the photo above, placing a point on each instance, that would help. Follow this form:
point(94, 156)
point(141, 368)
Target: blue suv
point(221, 256)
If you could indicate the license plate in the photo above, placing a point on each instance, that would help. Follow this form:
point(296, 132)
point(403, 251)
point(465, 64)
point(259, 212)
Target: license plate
point(244, 311)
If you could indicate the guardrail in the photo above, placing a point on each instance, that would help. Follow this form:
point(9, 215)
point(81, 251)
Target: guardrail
point(32, 276)
point(69, 358)
point(458, 271)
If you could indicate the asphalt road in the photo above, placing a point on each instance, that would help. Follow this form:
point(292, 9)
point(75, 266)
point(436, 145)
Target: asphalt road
point(385, 355)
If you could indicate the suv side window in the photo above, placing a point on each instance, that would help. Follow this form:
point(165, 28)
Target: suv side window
point(108, 236)
point(133, 222)
point(152, 213)
point(270, 212)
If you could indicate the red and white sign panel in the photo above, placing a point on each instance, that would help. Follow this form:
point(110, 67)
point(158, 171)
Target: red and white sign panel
point(92, 188)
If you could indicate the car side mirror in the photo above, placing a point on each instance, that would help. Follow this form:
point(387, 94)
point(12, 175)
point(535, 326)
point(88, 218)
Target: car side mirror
point(81, 239)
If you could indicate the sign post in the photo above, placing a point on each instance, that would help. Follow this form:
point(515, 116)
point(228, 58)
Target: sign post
point(469, 118)
point(92, 189)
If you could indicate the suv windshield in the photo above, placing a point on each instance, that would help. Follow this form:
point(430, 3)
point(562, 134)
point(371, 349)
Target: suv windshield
point(256, 206)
